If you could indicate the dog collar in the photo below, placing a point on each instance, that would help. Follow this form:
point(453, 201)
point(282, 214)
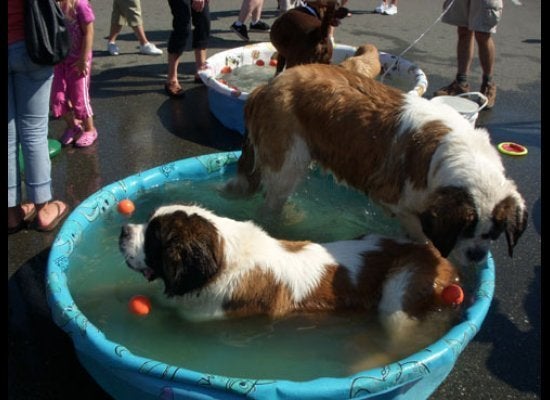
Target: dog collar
point(311, 10)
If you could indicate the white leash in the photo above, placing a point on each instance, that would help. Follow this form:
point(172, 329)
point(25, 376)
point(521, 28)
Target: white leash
point(417, 40)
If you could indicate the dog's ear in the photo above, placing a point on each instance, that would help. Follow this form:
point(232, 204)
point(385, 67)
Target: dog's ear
point(451, 211)
point(190, 255)
point(512, 216)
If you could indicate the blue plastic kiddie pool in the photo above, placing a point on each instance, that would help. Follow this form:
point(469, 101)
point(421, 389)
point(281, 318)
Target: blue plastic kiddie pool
point(128, 376)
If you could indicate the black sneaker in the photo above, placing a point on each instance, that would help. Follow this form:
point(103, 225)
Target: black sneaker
point(241, 31)
point(260, 26)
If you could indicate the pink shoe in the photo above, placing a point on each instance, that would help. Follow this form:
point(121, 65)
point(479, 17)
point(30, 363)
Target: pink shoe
point(70, 134)
point(86, 139)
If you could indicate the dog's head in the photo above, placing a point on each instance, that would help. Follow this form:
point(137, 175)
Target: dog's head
point(462, 228)
point(177, 244)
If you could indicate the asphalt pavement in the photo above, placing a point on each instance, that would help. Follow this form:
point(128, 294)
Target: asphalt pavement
point(140, 128)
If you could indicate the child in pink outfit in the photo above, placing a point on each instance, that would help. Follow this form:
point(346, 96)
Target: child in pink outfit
point(70, 96)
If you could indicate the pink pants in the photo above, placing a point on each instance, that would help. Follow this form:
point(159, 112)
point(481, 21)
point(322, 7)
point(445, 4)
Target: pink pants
point(70, 91)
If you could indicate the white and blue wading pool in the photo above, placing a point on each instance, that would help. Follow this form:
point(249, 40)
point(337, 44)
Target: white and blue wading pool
point(226, 101)
point(157, 356)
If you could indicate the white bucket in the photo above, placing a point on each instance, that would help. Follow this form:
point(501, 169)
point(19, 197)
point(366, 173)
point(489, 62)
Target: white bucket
point(469, 109)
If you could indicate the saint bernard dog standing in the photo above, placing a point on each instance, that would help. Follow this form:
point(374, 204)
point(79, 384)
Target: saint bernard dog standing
point(216, 267)
point(423, 162)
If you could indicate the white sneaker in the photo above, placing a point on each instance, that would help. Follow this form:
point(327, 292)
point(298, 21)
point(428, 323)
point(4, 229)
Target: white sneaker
point(381, 8)
point(391, 10)
point(150, 49)
point(113, 49)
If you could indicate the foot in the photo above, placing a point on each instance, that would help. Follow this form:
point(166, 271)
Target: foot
point(489, 89)
point(197, 76)
point(173, 89)
point(70, 134)
point(86, 139)
point(113, 49)
point(150, 49)
point(381, 8)
point(453, 89)
point(241, 31)
point(390, 10)
point(260, 26)
point(50, 215)
point(19, 217)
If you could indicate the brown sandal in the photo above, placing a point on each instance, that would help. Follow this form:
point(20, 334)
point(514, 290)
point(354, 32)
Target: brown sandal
point(60, 215)
point(173, 89)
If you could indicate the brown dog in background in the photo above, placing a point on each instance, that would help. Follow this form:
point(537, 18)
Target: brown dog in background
point(301, 35)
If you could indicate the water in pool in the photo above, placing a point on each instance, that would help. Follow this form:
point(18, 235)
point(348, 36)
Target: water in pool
point(299, 347)
point(247, 77)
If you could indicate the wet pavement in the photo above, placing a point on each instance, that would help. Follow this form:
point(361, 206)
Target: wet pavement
point(140, 127)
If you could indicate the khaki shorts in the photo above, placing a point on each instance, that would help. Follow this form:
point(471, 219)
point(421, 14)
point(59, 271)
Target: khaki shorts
point(126, 12)
point(476, 15)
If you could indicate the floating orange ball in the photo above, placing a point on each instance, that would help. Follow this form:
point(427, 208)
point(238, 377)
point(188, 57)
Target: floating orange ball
point(273, 62)
point(139, 305)
point(226, 69)
point(453, 294)
point(126, 207)
point(260, 63)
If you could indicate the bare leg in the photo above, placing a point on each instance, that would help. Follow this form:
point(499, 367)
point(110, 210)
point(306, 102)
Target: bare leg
point(140, 34)
point(115, 30)
point(250, 8)
point(173, 63)
point(88, 124)
point(486, 50)
point(464, 50)
point(200, 58)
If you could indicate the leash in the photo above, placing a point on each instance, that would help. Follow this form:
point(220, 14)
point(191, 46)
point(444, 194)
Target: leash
point(417, 40)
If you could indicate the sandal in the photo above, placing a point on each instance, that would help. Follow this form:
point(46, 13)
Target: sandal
point(60, 215)
point(70, 134)
point(173, 89)
point(86, 139)
point(26, 218)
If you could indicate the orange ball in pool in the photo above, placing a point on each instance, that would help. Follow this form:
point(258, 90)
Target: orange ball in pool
point(126, 207)
point(453, 294)
point(139, 305)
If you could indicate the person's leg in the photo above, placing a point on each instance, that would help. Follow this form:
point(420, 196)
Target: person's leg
point(256, 11)
point(14, 174)
point(247, 6)
point(33, 85)
point(79, 95)
point(181, 19)
point(118, 20)
point(115, 31)
point(201, 34)
point(140, 35)
point(464, 57)
point(486, 52)
point(464, 50)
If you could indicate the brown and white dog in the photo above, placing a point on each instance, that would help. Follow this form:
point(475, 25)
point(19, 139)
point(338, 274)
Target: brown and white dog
point(216, 267)
point(423, 162)
point(301, 35)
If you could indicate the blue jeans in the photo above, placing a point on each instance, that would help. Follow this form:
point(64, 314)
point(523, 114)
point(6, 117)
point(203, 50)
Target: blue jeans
point(29, 88)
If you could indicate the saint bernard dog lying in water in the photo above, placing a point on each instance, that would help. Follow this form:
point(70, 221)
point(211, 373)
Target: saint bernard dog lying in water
point(216, 267)
point(422, 161)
